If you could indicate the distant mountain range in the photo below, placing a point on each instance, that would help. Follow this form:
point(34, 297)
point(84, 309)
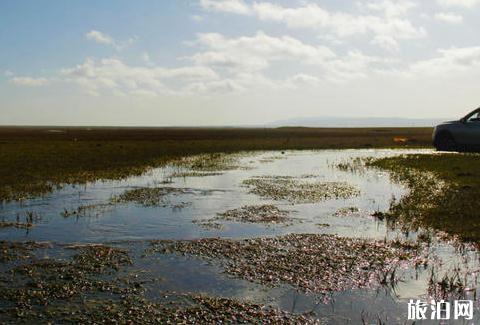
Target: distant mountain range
point(357, 122)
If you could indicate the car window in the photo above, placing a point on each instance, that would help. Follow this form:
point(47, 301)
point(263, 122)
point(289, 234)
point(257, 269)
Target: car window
point(474, 118)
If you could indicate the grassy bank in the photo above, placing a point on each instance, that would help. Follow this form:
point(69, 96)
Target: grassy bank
point(33, 160)
point(445, 192)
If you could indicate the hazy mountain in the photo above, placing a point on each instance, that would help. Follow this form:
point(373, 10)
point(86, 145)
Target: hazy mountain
point(356, 122)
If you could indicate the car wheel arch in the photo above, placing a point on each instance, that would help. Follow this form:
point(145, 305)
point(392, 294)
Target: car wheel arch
point(445, 141)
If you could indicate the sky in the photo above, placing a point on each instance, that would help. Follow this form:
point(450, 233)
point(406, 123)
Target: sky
point(235, 62)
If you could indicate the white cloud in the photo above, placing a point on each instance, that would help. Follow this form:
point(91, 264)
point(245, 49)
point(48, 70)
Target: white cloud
point(29, 81)
point(449, 17)
point(197, 18)
point(232, 6)
point(386, 42)
point(340, 23)
point(459, 3)
point(302, 80)
point(391, 8)
point(390, 24)
point(99, 37)
point(105, 39)
point(145, 57)
point(246, 61)
point(448, 62)
point(256, 52)
point(215, 87)
point(116, 77)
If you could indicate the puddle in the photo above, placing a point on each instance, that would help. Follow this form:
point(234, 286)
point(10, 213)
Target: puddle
point(176, 202)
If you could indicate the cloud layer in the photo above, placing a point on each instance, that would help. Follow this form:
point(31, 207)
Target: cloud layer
point(364, 42)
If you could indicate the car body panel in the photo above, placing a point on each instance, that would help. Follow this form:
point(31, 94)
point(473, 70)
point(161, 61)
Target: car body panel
point(465, 132)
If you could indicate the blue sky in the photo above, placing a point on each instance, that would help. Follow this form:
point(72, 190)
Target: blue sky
point(235, 62)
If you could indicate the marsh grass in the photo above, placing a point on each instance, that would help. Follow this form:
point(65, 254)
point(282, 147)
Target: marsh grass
point(88, 210)
point(444, 192)
point(30, 218)
point(34, 161)
point(211, 163)
point(454, 284)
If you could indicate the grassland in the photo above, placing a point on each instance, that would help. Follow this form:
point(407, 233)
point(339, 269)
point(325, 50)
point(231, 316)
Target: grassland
point(444, 192)
point(34, 160)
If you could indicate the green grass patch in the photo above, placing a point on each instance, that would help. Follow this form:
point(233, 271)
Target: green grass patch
point(444, 192)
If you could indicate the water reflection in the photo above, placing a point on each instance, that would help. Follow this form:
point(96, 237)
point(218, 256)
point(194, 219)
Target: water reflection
point(202, 197)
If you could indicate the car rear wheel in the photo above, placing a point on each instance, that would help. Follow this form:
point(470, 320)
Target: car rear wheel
point(445, 142)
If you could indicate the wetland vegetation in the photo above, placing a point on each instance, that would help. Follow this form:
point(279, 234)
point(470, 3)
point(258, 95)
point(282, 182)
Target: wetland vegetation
point(147, 196)
point(266, 213)
point(299, 190)
point(93, 286)
point(444, 192)
point(309, 262)
point(36, 160)
point(105, 282)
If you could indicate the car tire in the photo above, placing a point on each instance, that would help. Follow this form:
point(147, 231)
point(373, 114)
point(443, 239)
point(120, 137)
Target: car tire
point(445, 142)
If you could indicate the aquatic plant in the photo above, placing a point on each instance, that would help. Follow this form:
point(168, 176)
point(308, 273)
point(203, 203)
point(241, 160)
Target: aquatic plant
point(49, 280)
point(267, 214)
point(311, 263)
point(88, 210)
point(346, 211)
point(181, 309)
point(147, 196)
point(12, 251)
point(297, 190)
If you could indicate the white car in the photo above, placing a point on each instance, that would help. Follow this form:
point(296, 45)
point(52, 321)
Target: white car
point(461, 135)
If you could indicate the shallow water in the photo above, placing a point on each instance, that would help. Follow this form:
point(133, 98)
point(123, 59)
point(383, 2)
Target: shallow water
point(130, 225)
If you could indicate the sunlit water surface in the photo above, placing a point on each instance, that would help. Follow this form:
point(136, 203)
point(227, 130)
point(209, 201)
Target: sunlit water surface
point(132, 225)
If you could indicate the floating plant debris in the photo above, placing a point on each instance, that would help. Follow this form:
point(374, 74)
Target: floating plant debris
point(208, 224)
point(88, 288)
point(42, 282)
point(347, 211)
point(267, 213)
point(18, 225)
point(297, 190)
point(310, 262)
point(10, 251)
point(256, 214)
point(194, 174)
point(180, 309)
point(147, 196)
point(270, 159)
